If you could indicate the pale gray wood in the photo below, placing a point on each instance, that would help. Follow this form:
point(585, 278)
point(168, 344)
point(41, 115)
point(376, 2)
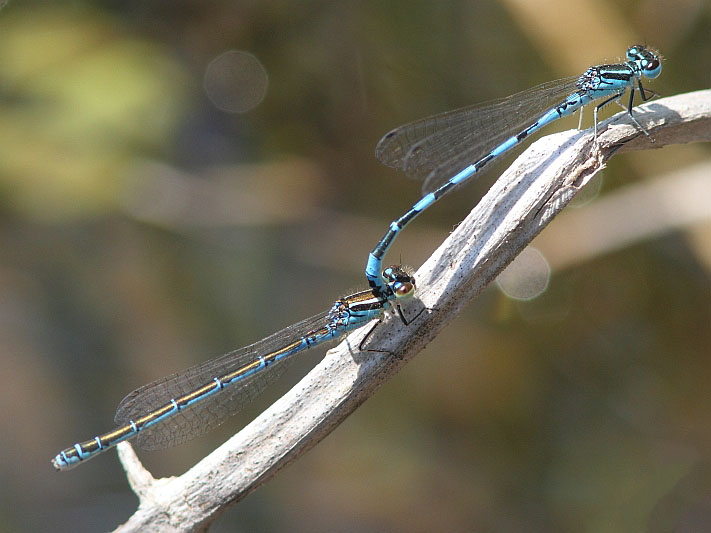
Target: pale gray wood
point(519, 205)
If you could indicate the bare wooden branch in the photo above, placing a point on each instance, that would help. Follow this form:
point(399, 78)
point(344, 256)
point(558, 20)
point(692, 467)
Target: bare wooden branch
point(525, 198)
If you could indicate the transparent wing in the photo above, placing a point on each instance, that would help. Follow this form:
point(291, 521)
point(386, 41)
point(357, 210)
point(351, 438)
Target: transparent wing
point(213, 410)
point(435, 148)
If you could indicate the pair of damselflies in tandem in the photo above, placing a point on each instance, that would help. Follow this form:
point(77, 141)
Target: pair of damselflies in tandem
point(445, 151)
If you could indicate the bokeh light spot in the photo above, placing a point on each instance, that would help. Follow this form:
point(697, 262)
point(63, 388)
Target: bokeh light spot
point(235, 81)
point(526, 277)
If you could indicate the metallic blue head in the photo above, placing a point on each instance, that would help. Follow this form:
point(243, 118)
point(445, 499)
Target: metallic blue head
point(648, 61)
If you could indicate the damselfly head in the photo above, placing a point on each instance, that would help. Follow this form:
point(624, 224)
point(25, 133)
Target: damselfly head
point(400, 280)
point(648, 60)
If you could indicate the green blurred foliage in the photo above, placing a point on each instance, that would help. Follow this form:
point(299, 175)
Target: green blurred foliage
point(82, 99)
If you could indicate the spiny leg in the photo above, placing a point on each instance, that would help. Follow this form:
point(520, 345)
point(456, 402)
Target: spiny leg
point(403, 319)
point(361, 344)
point(599, 106)
point(645, 95)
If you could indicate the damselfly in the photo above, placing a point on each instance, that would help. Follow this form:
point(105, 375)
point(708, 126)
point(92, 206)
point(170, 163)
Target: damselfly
point(182, 406)
point(446, 150)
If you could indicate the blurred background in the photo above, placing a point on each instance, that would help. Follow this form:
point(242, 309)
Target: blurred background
point(179, 179)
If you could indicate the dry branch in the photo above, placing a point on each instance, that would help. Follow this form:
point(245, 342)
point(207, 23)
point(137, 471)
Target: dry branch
point(520, 204)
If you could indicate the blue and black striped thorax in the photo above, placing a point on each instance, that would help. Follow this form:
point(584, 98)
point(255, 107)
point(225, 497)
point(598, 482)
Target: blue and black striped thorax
point(641, 61)
point(354, 310)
